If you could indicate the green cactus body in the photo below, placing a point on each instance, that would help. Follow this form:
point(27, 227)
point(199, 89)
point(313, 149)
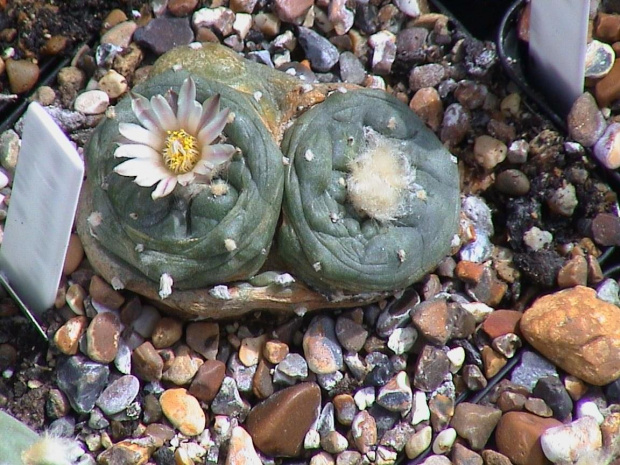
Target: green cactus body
point(325, 237)
point(223, 233)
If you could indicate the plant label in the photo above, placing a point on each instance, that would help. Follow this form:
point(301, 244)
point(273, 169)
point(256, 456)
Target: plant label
point(40, 217)
point(558, 39)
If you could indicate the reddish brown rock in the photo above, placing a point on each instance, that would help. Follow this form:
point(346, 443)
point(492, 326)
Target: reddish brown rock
point(608, 88)
point(74, 256)
point(574, 272)
point(426, 103)
point(204, 338)
point(128, 452)
point(290, 11)
point(578, 332)
point(68, 335)
point(502, 322)
point(585, 121)
point(606, 229)
point(607, 27)
point(208, 380)
point(182, 7)
point(102, 337)
point(167, 332)
point(518, 437)
point(102, 292)
point(22, 74)
point(279, 424)
point(493, 361)
point(475, 423)
point(146, 362)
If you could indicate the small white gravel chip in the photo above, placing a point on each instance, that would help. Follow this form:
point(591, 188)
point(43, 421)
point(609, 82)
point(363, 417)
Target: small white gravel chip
point(457, 358)
point(221, 292)
point(309, 156)
point(230, 244)
point(402, 339)
point(420, 408)
point(536, 239)
point(312, 439)
point(590, 409)
point(364, 398)
point(92, 102)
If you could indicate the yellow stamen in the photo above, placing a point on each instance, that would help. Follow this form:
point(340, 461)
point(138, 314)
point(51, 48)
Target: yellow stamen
point(181, 152)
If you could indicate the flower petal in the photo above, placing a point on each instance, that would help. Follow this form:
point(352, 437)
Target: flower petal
point(145, 114)
point(204, 168)
point(165, 187)
point(146, 173)
point(210, 107)
point(187, 96)
point(137, 151)
point(185, 179)
point(137, 133)
point(217, 154)
point(167, 118)
point(173, 100)
point(213, 128)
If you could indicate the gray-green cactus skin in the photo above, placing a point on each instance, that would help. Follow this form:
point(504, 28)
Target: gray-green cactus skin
point(186, 239)
point(327, 242)
point(16, 438)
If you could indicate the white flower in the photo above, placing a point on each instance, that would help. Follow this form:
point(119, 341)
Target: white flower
point(173, 142)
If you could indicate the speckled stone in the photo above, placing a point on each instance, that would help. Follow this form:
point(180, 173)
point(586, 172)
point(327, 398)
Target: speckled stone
point(183, 411)
point(279, 424)
point(241, 449)
point(475, 423)
point(118, 395)
point(102, 337)
point(578, 332)
point(321, 348)
point(431, 369)
point(585, 121)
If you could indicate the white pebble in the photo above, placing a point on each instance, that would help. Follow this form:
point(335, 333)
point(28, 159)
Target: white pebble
point(420, 408)
point(242, 24)
point(402, 339)
point(567, 443)
point(444, 441)
point(409, 7)
point(312, 439)
point(364, 398)
point(457, 358)
point(92, 102)
point(590, 409)
point(479, 310)
point(537, 239)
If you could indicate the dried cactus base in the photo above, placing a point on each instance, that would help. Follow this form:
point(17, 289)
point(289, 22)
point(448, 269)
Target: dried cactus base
point(225, 301)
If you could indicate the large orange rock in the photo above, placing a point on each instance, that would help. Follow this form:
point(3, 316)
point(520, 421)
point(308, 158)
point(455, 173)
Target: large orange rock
point(578, 332)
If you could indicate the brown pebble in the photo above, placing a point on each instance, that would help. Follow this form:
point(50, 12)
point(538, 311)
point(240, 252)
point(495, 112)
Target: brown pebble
point(183, 366)
point(147, 363)
point(538, 407)
point(160, 432)
point(518, 437)
point(585, 121)
point(128, 452)
point(435, 319)
point(262, 384)
point(114, 17)
point(279, 424)
point(608, 88)
point(606, 229)
point(512, 182)
point(461, 455)
point(502, 322)
point(511, 401)
point(607, 27)
point(68, 336)
point(491, 457)
point(290, 11)
point(578, 332)
point(101, 292)
point(102, 337)
point(475, 423)
point(167, 332)
point(208, 380)
point(55, 45)
point(493, 362)
point(74, 256)
point(345, 408)
point(574, 272)
point(204, 338)
point(182, 7)
point(22, 75)
point(8, 356)
point(426, 103)
point(275, 351)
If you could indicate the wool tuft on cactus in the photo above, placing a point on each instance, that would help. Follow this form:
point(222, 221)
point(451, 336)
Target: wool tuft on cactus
point(22, 446)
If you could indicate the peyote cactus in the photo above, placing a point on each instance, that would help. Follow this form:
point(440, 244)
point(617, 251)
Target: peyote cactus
point(22, 446)
point(370, 196)
point(370, 199)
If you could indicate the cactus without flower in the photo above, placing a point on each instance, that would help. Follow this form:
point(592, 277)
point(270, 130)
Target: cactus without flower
point(22, 446)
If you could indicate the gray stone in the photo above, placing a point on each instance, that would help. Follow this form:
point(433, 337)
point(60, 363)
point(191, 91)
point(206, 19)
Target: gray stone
point(164, 33)
point(82, 381)
point(118, 395)
point(323, 55)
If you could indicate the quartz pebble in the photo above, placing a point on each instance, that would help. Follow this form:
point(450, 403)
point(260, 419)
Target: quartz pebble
point(396, 395)
point(419, 442)
point(607, 148)
point(92, 102)
point(241, 449)
point(68, 335)
point(568, 443)
point(444, 441)
point(585, 121)
point(488, 151)
point(427, 104)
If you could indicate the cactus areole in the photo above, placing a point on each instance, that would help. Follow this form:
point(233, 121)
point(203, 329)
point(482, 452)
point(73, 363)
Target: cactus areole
point(346, 189)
